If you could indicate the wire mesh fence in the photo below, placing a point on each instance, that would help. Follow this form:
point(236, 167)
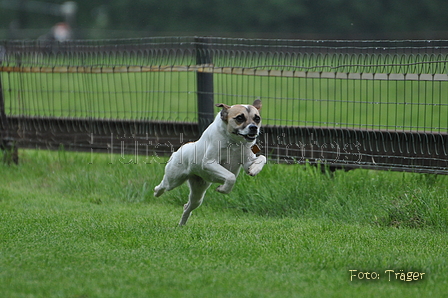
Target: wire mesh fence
point(372, 104)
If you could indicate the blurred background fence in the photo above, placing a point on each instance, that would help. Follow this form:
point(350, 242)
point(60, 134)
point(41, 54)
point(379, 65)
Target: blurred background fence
point(377, 104)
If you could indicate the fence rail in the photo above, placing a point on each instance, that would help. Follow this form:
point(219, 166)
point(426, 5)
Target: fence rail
point(351, 104)
point(211, 69)
point(337, 148)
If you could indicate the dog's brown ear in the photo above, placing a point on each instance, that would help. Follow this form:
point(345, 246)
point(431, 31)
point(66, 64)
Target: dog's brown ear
point(257, 104)
point(224, 111)
point(221, 105)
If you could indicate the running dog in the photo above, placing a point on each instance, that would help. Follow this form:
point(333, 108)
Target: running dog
point(217, 157)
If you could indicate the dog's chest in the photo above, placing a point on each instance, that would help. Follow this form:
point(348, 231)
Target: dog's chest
point(233, 153)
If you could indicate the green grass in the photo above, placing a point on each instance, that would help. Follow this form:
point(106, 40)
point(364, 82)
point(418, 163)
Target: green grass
point(69, 228)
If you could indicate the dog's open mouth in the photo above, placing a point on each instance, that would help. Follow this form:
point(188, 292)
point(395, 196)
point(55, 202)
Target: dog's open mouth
point(249, 137)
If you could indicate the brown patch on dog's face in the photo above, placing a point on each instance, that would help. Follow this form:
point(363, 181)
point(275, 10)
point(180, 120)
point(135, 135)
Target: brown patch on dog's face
point(243, 121)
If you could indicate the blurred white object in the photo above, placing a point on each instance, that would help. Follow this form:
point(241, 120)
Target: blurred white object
point(61, 32)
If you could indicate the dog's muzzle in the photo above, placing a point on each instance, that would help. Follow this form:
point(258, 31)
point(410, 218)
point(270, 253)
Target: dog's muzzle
point(251, 135)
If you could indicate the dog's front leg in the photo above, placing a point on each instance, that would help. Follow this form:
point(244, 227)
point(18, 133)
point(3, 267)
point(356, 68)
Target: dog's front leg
point(218, 174)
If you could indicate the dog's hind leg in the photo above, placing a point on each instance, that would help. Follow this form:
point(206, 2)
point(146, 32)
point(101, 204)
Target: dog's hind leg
point(198, 187)
point(168, 183)
point(174, 176)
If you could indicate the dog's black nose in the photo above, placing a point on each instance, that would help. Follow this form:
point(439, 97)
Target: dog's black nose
point(253, 128)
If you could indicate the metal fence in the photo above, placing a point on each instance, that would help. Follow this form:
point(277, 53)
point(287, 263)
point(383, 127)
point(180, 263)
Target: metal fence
point(351, 104)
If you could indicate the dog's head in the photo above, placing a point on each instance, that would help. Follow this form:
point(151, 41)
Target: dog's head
point(243, 121)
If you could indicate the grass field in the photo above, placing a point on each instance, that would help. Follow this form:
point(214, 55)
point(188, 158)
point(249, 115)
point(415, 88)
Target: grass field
point(71, 228)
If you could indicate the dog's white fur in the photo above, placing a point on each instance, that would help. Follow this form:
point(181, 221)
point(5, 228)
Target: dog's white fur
point(217, 157)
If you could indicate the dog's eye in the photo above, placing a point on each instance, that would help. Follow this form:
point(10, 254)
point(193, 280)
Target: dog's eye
point(240, 118)
point(257, 119)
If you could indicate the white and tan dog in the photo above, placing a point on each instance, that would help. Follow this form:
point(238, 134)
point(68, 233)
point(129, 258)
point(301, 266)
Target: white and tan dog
point(217, 157)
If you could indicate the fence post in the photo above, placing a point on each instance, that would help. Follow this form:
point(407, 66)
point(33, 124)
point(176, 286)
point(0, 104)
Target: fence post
point(7, 144)
point(3, 120)
point(204, 83)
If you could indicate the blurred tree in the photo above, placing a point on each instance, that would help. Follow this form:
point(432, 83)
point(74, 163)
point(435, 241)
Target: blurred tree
point(338, 18)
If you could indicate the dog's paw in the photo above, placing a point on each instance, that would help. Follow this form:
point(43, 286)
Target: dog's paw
point(223, 189)
point(257, 166)
point(158, 191)
point(255, 169)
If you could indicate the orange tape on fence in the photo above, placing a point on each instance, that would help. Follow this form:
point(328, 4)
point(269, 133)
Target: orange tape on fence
point(101, 69)
point(209, 68)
